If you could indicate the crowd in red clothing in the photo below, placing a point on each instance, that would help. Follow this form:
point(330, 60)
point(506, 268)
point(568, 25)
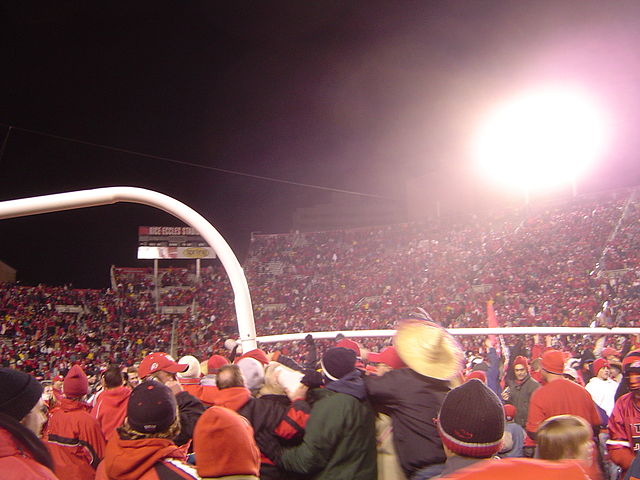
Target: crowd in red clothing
point(558, 265)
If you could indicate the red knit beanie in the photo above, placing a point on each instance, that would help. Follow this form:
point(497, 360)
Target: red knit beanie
point(553, 361)
point(477, 374)
point(224, 445)
point(520, 360)
point(598, 364)
point(75, 383)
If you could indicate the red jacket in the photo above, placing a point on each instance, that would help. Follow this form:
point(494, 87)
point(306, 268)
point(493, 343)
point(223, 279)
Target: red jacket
point(624, 432)
point(17, 464)
point(111, 409)
point(75, 440)
point(522, 469)
point(146, 459)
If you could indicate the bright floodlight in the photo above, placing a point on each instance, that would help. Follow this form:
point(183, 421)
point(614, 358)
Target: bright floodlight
point(541, 139)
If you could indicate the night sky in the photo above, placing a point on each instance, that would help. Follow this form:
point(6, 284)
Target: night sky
point(354, 95)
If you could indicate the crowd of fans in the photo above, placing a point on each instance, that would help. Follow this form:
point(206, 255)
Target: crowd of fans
point(561, 265)
point(417, 410)
point(571, 264)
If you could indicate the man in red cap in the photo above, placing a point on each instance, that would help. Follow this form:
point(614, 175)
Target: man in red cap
point(519, 390)
point(161, 367)
point(73, 436)
point(560, 396)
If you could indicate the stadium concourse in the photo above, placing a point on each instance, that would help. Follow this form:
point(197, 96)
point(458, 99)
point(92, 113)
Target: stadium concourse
point(551, 266)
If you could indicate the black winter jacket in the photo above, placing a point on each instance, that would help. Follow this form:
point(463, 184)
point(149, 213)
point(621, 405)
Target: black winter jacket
point(413, 402)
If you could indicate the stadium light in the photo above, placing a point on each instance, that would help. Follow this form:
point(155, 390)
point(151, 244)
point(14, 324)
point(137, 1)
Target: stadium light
point(541, 139)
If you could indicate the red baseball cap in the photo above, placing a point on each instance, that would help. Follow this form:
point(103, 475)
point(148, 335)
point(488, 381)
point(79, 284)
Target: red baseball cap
point(159, 362)
point(388, 356)
point(509, 411)
point(215, 362)
point(350, 344)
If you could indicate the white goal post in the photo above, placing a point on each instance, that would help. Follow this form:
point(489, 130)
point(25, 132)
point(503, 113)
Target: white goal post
point(110, 195)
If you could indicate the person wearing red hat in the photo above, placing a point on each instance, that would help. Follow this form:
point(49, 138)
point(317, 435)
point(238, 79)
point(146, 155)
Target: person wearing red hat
point(213, 366)
point(161, 367)
point(519, 389)
point(224, 446)
point(388, 359)
point(560, 396)
point(513, 440)
point(601, 387)
point(73, 436)
point(274, 418)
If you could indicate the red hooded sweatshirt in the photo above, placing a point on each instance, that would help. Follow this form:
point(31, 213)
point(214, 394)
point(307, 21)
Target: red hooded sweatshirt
point(16, 462)
point(233, 398)
point(146, 459)
point(111, 409)
point(74, 439)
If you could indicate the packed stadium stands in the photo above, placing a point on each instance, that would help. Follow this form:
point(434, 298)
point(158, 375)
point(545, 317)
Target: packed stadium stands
point(567, 264)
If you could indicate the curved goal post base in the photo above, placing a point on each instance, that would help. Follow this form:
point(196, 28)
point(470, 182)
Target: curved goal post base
point(110, 195)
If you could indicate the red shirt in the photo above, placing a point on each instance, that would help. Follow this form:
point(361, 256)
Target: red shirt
point(560, 397)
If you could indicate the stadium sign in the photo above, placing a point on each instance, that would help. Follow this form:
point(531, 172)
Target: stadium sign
point(172, 243)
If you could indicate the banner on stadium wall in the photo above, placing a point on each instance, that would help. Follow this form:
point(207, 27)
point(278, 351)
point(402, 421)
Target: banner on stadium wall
point(172, 243)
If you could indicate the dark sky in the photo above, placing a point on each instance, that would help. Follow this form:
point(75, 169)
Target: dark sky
point(355, 95)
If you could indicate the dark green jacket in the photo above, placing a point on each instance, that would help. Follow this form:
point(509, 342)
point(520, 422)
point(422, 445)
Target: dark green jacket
point(340, 440)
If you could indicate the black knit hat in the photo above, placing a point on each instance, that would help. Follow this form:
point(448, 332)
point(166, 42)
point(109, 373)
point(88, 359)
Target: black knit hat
point(471, 420)
point(338, 362)
point(19, 392)
point(152, 407)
